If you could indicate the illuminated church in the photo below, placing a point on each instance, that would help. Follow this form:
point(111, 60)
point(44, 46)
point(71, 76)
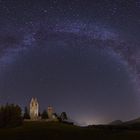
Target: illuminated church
point(34, 111)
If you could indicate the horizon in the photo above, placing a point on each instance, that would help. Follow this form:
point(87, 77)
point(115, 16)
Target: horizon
point(86, 123)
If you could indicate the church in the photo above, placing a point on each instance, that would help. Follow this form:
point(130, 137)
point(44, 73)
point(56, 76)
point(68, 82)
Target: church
point(34, 111)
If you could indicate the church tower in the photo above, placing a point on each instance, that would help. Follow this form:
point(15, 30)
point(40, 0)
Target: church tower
point(34, 109)
point(50, 112)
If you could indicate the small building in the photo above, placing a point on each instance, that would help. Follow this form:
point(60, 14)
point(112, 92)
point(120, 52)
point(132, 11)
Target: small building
point(52, 116)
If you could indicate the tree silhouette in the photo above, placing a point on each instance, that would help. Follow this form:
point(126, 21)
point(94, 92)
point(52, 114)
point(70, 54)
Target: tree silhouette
point(26, 113)
point(63, 116)
point(44, 115)
point(10, 115)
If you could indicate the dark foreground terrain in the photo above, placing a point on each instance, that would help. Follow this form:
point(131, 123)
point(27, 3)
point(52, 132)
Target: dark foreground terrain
point(59, 131)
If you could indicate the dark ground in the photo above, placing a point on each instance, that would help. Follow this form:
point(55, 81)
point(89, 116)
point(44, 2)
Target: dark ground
point(59, 131)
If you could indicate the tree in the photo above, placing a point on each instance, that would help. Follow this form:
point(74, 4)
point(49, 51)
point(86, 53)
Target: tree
point(63, 116)
point(10, 115)
point(26, 113)
point(44, 115)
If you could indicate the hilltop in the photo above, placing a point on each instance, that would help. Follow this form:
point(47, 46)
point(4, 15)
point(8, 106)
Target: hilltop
point(55, 131)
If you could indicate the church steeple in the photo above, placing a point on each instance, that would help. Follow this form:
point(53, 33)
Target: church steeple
point(34, 109)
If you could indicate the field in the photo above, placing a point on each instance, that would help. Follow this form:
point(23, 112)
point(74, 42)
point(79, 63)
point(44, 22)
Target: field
point(59, 131)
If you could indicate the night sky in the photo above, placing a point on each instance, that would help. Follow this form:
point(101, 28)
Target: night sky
point(79, 56)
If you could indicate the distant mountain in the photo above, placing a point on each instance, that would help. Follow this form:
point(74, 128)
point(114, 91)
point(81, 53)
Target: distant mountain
point(119, 122)
point(116, 122)
point(137, 120)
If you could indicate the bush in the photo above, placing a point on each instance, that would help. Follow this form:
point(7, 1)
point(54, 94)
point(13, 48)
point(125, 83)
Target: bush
point(10, 116)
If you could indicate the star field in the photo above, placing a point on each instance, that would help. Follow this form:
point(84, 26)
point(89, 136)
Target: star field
point(80, 56)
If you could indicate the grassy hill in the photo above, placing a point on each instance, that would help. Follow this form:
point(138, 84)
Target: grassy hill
point(59, 131)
